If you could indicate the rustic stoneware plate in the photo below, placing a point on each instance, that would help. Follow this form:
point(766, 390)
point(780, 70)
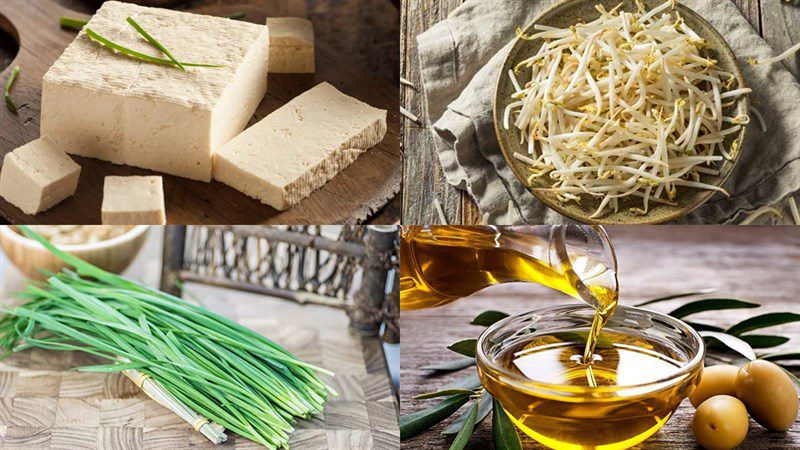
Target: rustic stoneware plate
point(570, 12)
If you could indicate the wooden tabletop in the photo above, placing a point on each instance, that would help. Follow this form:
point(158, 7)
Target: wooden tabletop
point(757, 264)
point(356, 49)
point(423, 181)
point(44, 405)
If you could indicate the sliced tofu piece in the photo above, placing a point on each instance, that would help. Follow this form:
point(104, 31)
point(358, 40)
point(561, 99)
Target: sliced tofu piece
point(291, 45)
point(37, 176)
point(104, 104)
point(133, 201)
point(299, 147)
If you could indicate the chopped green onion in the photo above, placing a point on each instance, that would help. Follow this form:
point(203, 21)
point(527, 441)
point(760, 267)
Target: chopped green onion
point(7, 94)
point(236, 15)
point(72, 23)
point(153, 41)
point(134, 54)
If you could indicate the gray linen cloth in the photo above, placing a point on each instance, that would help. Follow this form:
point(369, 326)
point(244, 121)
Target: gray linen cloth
point(459, 61)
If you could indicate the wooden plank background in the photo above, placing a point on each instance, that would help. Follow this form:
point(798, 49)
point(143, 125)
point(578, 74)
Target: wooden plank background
point(44, 405)
point(423, 181)
point(357, 51)
point(757, 264)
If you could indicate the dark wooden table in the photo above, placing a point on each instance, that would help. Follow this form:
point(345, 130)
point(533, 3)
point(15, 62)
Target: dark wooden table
point(423, 181)
point(357, 51)
point(758, 264)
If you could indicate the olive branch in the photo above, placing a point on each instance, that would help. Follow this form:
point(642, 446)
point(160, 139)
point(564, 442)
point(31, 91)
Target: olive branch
point(735, 344)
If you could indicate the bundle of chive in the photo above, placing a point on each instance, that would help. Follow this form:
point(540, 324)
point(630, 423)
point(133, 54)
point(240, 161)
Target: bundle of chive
point(224, 371)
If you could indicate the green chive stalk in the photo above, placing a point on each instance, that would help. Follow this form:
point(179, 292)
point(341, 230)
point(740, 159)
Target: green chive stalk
point(7, 92)
point(155, 43)
point(138, 55)
point(223, 370)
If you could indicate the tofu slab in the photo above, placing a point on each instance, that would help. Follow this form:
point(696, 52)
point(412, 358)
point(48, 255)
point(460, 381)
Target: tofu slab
point(37, 176)
point(291, 45)
point(299, 147)
point(107, 105)
point(133, 201)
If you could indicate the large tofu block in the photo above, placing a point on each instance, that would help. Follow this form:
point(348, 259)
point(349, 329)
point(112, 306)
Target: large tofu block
point(107, 105)
point(291, 45)
point(133, 201)
point(300, 147)
point(37, 176)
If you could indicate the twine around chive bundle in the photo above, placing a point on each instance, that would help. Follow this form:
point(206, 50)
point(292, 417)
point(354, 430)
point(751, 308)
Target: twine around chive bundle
point(156, 391)
point(223, 371)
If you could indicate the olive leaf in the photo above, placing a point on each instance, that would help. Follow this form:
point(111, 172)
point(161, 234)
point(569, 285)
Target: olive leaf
point(469, 382)
point(763, 321)
point(733, 342)
point(449, 366)
point(674, 296)
point(780, 356)
point(466, 428)
point(443, 393)
point(467, 347)
point(504, 434)
point(488, 318)
point(763, 340)
point(710, 304)
point(420, 421)
point(483, 411)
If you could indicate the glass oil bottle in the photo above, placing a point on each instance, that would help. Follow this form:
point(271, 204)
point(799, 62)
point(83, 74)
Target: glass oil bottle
point(440, 264)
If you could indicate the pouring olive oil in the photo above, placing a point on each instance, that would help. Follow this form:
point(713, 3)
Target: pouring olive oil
point(441, 264)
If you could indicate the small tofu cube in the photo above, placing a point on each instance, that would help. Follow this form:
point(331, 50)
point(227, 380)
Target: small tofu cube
point(291, 45)
point(104, 104)
point(37, 176)
point(133, 201)
point(301, 146)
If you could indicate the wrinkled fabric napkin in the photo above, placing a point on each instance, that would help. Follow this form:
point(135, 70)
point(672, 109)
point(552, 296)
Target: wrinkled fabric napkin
point(459, 61)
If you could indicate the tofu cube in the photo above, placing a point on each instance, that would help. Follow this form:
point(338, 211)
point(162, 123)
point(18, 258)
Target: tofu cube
point(133, 201)
point(301, 146)
point(104, 104)
point(37, 176)
point(291, 45)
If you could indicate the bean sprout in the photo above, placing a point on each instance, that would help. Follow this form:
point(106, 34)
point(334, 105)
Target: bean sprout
point(785, 55)
point(627, 105)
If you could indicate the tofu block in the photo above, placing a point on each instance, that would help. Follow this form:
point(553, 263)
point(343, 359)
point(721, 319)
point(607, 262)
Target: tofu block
point(301, 146)
point(107, 105)
point(291, 45)
point(37, 176)
point(133, 201)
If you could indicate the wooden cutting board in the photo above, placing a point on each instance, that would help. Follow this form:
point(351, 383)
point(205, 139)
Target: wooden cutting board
point(352, 196)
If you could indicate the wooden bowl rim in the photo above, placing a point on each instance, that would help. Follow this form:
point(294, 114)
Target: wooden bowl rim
point(130, 235)
point(696, 200)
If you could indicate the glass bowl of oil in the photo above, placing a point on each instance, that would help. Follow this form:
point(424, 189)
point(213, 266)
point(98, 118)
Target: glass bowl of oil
point(644, 364)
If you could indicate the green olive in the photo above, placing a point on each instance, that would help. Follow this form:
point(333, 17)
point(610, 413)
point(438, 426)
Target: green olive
point(769, 394)
point(716, 380)
point(720, 423)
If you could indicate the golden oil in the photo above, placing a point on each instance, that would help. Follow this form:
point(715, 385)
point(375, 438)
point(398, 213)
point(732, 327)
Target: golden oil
point(572, 404)
point(440, 264)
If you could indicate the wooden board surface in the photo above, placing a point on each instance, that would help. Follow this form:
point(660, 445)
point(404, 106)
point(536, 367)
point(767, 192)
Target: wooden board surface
point(44, 405)
point(355, 195)
point(776, 21)
point(757, 264)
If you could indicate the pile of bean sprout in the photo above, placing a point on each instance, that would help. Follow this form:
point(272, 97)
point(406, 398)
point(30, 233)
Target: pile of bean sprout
point(624, 106)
